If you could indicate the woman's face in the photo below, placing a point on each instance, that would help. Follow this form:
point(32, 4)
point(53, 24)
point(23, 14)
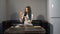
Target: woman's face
point(27, 10)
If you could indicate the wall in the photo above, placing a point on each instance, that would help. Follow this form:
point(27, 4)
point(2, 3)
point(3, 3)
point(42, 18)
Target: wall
point(2, 10)
point(54, 16)
point(38, 7)
point(2, 13)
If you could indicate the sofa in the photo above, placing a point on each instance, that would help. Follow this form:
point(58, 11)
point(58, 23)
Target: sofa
point(43, 23)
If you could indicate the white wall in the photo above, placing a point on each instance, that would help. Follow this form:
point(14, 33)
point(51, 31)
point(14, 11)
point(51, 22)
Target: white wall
point(2, 10)
point(38, 8)
point(54, 15)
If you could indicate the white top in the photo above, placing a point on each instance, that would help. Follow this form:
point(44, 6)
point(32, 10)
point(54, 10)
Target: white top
point(27, 22)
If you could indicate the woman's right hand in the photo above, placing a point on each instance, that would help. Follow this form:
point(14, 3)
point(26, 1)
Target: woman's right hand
point(21, 14)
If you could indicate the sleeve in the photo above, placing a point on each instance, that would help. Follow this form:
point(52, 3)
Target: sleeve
point(31, 16)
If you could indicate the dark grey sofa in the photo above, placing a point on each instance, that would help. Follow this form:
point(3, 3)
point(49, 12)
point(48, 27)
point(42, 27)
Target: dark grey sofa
point(43, 23)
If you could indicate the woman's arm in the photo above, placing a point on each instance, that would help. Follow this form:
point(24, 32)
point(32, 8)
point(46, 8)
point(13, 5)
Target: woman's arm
point(21, 16)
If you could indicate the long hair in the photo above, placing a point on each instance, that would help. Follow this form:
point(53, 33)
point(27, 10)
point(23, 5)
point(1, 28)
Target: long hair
point(29, 12)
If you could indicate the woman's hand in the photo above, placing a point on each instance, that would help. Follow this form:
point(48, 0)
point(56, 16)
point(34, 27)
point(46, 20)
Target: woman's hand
point(21, 14)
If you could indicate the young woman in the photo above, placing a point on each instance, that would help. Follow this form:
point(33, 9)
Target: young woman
point(28, 15)
point(27, 18)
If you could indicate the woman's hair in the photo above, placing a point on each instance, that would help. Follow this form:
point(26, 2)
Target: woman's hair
point(29, 10)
